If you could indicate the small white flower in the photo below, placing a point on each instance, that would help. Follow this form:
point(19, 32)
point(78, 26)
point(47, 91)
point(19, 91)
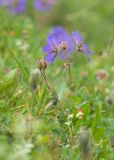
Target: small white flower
point(70, 116)
point(68, 123)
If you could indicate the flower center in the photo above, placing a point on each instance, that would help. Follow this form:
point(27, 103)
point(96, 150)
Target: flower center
point(63, 46)
point(80, 47)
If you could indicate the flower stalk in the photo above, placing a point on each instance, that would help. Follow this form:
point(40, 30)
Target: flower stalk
point(42, 65)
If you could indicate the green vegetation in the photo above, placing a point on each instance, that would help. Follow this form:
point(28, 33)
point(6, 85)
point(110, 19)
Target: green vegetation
point(33, 126)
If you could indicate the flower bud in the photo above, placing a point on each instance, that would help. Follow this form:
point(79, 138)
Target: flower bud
point(41, 64)
point(34, 79)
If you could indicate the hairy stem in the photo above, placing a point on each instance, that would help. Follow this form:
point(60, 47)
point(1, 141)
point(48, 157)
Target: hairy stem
point(49, 85)
point(69, 69)
point(74, 55)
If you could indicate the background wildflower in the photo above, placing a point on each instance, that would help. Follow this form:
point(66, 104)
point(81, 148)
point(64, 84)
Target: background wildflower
point(79, 114)
point(14, 6)
point(6, 2)
point(101, 74)
point(43, 5)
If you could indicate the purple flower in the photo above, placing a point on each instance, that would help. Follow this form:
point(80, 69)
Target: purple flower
point(43, 5)
point(58, 43)
point(6, 2)
point(80, 46)
point(61, 35)
point(14, 6)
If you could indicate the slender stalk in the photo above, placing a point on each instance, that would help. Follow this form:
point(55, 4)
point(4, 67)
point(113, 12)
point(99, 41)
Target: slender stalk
point(49, 85)
point(74, 55)
point(68, 63)
point(69, 71)
point(46, 81)
point(70, 135)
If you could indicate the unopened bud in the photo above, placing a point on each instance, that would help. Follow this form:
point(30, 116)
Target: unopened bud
point(41, 64)
point(34, 79)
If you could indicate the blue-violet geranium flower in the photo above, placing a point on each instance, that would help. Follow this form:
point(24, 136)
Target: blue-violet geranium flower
point(58, 43)
point(80, 45)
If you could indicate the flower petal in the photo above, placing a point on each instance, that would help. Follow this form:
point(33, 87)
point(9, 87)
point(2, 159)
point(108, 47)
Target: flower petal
point(86, 56)
point(89, 52)
point(50, 57)
point(78, 39)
